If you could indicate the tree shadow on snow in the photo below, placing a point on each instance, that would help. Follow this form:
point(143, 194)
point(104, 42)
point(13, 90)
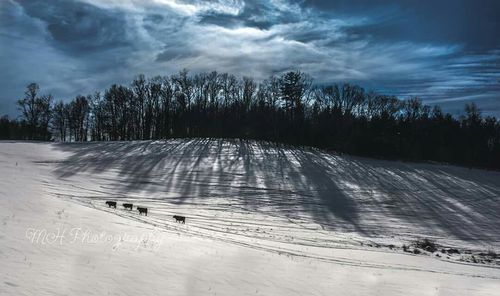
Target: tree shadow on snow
point(340, 193)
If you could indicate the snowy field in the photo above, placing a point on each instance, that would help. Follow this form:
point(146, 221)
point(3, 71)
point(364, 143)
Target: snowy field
point(261, 220)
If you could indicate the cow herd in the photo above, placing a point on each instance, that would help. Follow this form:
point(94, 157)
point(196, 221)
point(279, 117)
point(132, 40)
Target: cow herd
point(142, 210)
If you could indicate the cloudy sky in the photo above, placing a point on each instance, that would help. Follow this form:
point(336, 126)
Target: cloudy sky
point(444, 51)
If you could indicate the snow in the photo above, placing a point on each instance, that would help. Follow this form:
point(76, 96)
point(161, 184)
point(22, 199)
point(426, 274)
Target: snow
point(261, 220)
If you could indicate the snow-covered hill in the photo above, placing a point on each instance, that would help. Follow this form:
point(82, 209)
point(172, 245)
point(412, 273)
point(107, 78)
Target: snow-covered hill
point(261, 219)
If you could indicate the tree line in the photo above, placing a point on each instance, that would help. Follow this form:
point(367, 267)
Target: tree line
point(288, 109)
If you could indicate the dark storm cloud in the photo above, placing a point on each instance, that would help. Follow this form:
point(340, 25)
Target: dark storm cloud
point(79, 27)
point(65, 46)
point(445, 51)
point(475, 24)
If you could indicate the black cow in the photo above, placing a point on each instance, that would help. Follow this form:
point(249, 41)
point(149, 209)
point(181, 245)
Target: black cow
point(128, 206)
point(142, 210)
point(179, 219)
point(111, 204)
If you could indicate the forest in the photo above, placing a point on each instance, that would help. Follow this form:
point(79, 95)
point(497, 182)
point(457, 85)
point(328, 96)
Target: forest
point(287, 109)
